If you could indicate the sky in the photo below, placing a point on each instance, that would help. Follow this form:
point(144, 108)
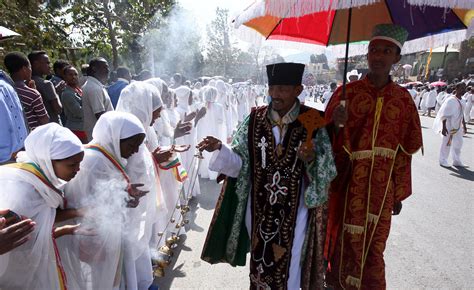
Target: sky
point(204, 11)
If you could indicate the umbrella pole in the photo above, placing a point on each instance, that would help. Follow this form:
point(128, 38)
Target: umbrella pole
point(346, 59)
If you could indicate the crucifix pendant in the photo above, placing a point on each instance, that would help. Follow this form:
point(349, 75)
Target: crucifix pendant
point(263, 146)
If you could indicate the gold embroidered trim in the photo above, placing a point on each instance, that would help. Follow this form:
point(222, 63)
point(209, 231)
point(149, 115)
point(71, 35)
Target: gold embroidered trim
point(353, 281)
point(364, 154)
point(378, 151)
point(384, 152)
point(372, 218)
point(353, 229)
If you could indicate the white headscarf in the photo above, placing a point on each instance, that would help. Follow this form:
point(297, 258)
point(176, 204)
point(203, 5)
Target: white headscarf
point(221, 87)
point(222, 92)
point(27, 195)
point(210, 94)
point(157, 82)
point(114, 126)
point(50, 142)
point(212, 83)
point(140, 99)
point(182, 93)
point(198, 85)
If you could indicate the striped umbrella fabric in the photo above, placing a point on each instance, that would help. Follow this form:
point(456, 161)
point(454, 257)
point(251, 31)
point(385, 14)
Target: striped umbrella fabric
point(432, 26)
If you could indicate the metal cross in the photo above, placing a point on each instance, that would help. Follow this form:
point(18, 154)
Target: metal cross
point(263, 146)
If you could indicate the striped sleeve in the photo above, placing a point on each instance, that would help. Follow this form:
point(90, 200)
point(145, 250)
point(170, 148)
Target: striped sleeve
point(37, 107)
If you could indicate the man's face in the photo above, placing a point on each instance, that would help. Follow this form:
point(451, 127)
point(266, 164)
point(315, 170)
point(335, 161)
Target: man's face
point(381, 56)
point(283, 97)
point(103, 71)
point(26, 72)
point(460, 89)
point(43, 65)
point(353, 78)
point(71, 77)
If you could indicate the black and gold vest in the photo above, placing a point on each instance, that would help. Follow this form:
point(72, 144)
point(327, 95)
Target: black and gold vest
point(274, 198)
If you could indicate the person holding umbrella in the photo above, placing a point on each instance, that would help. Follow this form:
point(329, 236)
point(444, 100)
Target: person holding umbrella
point(374, 136)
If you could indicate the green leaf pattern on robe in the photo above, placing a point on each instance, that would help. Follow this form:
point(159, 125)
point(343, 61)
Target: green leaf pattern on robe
point(321, 172)
point(240, 146)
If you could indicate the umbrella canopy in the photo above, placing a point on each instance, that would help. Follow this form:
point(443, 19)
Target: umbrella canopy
point(438, 84)
point(291, 8)
point(428, 26)
point(6, 33)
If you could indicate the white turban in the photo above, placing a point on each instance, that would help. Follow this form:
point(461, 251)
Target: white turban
point(114, 126)
point(50, 142)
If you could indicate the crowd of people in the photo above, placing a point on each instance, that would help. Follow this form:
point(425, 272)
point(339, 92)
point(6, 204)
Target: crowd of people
point(101, 165)
point(96, 169)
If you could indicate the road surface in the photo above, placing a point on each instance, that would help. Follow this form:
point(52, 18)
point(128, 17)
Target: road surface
point(431, 244)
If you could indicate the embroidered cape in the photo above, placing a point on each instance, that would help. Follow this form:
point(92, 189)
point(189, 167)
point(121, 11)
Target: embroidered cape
point(228, 240)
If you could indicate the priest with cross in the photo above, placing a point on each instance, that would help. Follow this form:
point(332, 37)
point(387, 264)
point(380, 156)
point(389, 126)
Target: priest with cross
point(274, 200)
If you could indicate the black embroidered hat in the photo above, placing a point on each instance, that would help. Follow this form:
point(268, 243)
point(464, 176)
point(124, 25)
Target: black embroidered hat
point(286, 73)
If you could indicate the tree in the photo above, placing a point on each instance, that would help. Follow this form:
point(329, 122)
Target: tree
point(261, 56)
point(221, 52)
point(109, 28)
point(39, 24)
point(114, 27)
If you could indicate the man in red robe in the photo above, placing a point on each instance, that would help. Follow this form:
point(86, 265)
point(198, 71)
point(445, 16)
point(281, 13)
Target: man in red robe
point(381, 130)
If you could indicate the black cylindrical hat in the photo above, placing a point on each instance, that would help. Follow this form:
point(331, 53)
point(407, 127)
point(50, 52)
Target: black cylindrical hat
point(287, 73)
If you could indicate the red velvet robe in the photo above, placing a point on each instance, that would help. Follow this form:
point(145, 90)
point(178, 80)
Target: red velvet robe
point(373, 159)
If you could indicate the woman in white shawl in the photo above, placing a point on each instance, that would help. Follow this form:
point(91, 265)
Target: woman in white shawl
point(212, 124)
point(184, 96)
point(171, 172)
point(143, 100)
point(104, 186)
point(33, 188)
point(163, 127)
point(223, 99)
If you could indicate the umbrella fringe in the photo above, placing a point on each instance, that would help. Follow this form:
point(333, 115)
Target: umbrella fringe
point(460, 4)
point(285, 8)
point(251, 12)
point(422, 44)
point(434, 41)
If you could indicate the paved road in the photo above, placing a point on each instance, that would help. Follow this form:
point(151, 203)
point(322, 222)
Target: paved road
point(430, 245)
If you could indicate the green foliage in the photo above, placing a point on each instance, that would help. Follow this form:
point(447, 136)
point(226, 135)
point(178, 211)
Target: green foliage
point(222, 55)
point(111, 28)
point(39, 24)
point(106, 28)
